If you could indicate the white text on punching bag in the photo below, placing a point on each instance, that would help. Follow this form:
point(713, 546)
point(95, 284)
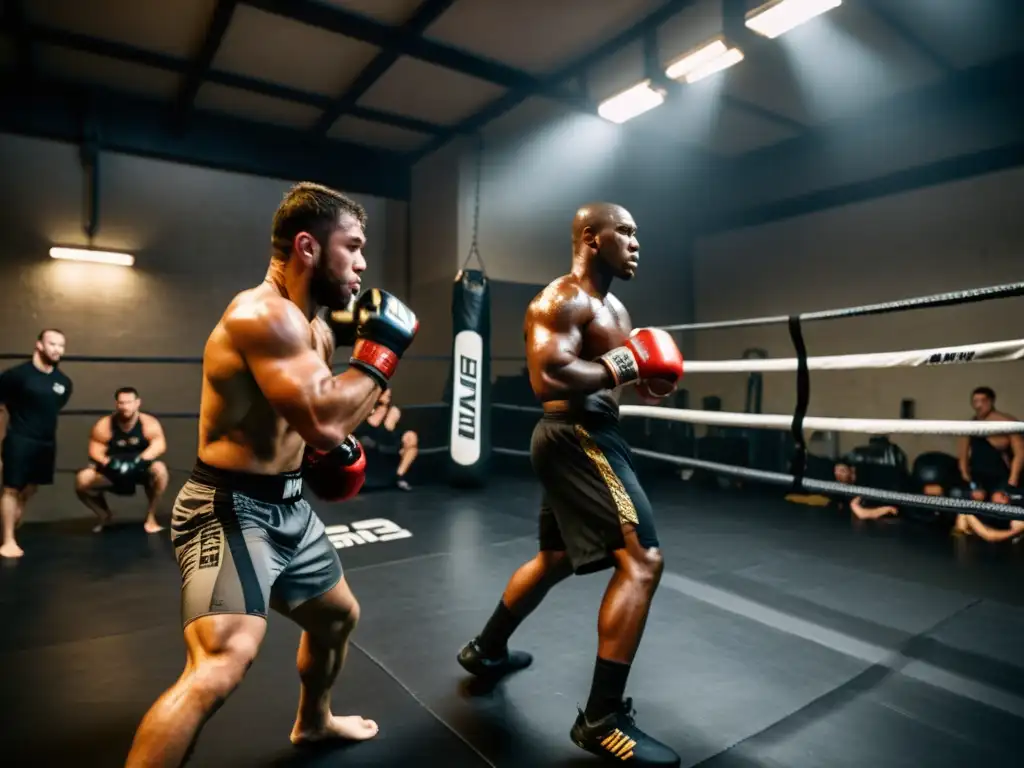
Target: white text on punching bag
point(467, 402)
point(464, 436)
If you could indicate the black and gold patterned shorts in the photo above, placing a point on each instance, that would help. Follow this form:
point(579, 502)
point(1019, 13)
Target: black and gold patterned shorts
point(591, 492)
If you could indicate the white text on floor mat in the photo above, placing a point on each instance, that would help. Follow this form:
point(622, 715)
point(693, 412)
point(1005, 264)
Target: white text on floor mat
point(365, 532)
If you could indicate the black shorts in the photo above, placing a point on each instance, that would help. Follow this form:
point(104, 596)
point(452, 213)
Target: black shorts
point(27, 461)
point(990, 481)
point(123, 485)
point(246, 542)
point(591, 491)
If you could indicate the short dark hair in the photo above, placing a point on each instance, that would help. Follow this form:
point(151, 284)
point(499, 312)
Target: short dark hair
point(313, 208)
point(42, 333)
point(125, 391)
point(986, 391)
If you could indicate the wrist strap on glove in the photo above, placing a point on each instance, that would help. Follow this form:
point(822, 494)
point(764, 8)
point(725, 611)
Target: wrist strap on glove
point(621, 363)
point(374, 359)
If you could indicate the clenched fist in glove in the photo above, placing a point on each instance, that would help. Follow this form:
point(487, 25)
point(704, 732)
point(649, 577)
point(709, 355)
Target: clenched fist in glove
point(335, 475)
point(649, 358)
point(380, 328)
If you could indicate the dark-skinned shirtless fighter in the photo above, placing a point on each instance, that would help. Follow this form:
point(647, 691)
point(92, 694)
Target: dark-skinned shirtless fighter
point(272, 418)
point(581, 350)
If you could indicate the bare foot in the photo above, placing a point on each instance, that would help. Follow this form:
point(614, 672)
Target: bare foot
point(11, 550)
point(152, 526)
point(352, 728)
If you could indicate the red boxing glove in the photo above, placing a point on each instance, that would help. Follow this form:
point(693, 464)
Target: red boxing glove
point(335, 475)
point(650, 355)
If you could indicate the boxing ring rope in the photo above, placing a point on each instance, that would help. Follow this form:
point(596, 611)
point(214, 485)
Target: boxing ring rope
point(986, 352)
point(969, 296)
point(864, 426)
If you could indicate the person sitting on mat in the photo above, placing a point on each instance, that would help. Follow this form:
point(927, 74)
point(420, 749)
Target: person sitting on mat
point(123, 452)
point(996, 529)
point(845, 472)
point(987, 463)
point(379, 436)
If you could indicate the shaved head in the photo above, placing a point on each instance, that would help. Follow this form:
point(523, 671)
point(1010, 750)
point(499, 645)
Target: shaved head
point(604, 237)
point(596, 217)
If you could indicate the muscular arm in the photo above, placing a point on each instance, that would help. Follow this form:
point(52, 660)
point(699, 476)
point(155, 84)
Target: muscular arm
point(98, 439)
point(964, 445)
point(5, 385)
point(995, 534)
point(154, 433)
point(295, 379)
point(554, 337)
point(1017, 448)
point(864, 512)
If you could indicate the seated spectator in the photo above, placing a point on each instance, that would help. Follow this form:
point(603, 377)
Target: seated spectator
point(997, 529)
point(386, 452)
point(845, 472)
point(123, 452)
point(934, 474)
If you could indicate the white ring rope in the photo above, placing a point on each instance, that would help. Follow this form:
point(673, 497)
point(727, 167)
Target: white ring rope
point(968, 296)
point(985, 352)
point(826, 424)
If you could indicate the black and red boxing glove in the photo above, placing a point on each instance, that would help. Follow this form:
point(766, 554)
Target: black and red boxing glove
point(649, 356)
point(335, 475)
point(384, 329)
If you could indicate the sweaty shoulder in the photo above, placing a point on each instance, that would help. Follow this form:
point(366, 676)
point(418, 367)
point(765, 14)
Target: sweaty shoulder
point(562, 302)
point(260, 321)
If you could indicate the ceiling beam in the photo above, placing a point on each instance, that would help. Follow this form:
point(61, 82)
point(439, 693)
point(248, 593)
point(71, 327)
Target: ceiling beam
point(986, 92)
point(761, 113)
point(200, 65)
point(424, 16)
point(574, 70)
point(906, 180)
point(136, 126)
point(883, 10)
point(79, 42)
point(400, 41)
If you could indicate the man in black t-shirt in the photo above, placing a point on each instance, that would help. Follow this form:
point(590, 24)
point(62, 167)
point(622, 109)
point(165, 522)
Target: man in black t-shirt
point(32, 394)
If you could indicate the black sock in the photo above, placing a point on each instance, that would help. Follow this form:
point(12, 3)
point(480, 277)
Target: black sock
point(493, 641)
point(607, 689)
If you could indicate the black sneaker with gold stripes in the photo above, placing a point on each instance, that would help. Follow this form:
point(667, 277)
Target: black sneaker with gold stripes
point(616, 737)
point(474, 661)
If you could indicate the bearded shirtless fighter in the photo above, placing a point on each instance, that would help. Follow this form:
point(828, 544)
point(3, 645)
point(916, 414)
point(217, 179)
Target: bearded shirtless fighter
point(273, 417)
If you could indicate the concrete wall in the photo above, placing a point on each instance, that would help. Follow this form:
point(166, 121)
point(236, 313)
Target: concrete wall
point(944, 238)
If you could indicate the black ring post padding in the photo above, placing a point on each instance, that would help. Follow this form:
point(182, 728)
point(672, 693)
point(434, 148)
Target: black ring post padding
point(798, 463)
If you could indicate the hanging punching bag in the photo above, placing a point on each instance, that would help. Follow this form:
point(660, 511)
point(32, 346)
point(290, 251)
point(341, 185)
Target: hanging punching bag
point(469, 441)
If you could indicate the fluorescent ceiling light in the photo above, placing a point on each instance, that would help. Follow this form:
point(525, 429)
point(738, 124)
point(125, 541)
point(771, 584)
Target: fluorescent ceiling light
point(696, 59)
point(726, 60)
point(631, 103)
point(98, 257)
point(779, 16)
